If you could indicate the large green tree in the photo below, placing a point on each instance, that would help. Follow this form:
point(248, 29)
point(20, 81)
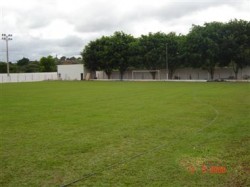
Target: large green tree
point(106, 56)
point(122, 45)
point(48, 64)
point(235, 49)
point(153, 51)
point(175, 52)
point(91, 57)
point(161, 51)
point(204, 46)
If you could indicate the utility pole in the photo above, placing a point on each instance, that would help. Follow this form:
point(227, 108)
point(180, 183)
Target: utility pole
point(7, 38)
point(166, 61)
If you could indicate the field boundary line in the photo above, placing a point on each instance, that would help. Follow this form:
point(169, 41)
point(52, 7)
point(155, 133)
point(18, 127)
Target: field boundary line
point(213, 108)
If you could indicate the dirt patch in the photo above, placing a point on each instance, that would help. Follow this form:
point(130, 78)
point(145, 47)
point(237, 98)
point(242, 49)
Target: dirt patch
point(240, 176)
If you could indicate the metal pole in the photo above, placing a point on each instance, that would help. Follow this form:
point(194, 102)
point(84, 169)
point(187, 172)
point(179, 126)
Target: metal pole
point(166, 61)
point(7, 58)
point(7, 37)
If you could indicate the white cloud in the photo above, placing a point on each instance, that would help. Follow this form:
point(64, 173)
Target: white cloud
point(56, 29)
point(63, 27)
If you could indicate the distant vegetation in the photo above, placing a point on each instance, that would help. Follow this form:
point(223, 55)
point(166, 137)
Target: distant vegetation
point(209, 46)
point(46, 64)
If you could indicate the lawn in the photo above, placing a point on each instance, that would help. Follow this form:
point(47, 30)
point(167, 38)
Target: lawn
point(124, 134)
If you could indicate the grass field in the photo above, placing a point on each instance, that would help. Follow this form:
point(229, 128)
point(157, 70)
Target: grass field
point(125, 134)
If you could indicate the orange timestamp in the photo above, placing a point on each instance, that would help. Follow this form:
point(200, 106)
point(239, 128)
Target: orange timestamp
point(211, 169)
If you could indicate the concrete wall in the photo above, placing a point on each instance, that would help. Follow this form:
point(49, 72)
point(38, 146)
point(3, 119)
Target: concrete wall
point(27, 77)
point(220, 73)
point(74, 71)
point(71, 72)
point(182, 74)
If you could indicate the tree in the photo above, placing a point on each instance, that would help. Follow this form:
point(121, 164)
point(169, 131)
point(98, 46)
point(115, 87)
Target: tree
point(105, 55)
point(153, 51)
point(3, 67)
point(204, 46)
point(22, 62)
point(91, 57)
point(176, 52)
point(33, 66)
point(235, 50)
point(121, 51)
point(98, 55)
point(13, 67)
point(135, 58)
point(62, 59)
point(48, 64)
point(27, 66)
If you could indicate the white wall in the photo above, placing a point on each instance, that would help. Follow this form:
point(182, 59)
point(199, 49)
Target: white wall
point(70, 71)
point(27, 77)
point(183, 74)
point(220, 73)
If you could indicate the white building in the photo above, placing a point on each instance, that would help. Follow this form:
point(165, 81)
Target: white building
point(71, 72)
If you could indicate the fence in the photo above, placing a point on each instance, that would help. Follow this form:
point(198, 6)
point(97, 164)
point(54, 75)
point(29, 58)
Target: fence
point(181, 74)
point(27, 77)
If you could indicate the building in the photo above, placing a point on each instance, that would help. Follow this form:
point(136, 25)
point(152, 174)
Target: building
point(71, 72)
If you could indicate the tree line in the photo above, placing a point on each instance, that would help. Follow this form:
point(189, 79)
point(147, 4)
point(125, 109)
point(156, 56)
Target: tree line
point(211, 45)
point(45, 64)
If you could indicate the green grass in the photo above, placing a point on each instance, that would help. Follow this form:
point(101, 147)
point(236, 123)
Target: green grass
point(53, 133)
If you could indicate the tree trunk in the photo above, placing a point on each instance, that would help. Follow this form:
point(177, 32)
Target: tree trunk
point(171, 73)
point(93, 74)
point(236, 74)
point(236, 71)
point(122, 74)
point(108, 73)
point(211, 72)
point(153, 75)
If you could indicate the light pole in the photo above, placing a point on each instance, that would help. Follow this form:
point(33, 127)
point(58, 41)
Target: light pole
point(166, 61)
point(7, 38)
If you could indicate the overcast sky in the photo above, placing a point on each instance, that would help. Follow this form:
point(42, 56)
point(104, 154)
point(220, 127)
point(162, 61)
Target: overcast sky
point(64, 27)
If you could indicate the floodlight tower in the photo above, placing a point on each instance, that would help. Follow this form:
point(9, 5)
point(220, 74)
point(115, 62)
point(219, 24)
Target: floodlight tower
point(7, 38)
